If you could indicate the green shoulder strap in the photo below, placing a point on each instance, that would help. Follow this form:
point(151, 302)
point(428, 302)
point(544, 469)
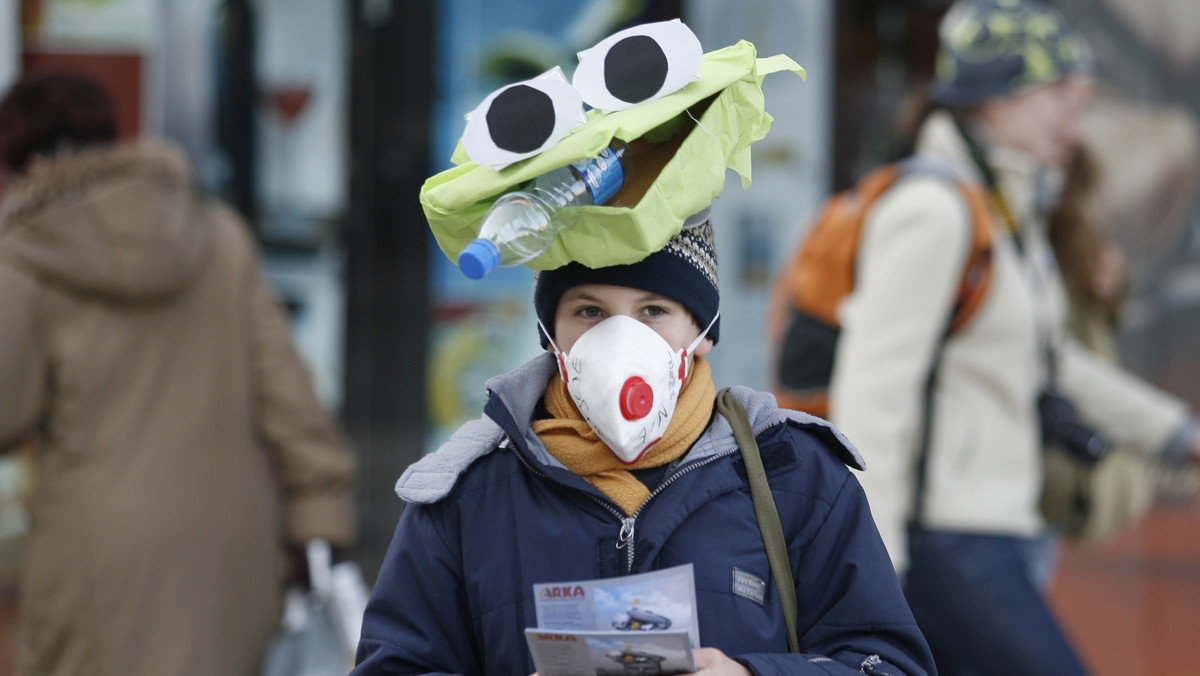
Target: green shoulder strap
point(764, 509)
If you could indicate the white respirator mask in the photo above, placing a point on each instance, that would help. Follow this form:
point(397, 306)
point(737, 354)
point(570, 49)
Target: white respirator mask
point(625, 379)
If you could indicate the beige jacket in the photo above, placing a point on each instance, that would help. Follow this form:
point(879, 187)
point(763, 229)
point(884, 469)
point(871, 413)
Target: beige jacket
point(176, 430)
point(984, 473)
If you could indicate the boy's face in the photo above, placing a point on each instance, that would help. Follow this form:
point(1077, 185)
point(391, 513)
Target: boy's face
point(582, 307)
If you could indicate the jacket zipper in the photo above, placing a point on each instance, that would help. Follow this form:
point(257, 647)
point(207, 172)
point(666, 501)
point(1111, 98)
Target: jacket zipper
point(625, 537)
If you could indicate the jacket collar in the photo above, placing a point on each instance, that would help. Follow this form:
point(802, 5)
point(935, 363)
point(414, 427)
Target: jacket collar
point(511, 403)
point(1019, 173)
point(514, 396)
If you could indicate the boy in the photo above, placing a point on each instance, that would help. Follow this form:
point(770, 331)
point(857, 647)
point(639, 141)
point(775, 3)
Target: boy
point(534, 493)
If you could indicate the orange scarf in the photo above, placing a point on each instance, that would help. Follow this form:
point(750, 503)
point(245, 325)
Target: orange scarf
point(570, 439)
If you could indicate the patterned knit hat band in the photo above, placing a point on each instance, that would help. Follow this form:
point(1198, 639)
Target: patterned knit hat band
point(684, 270)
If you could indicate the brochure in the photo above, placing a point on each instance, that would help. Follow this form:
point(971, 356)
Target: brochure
point(637, 624)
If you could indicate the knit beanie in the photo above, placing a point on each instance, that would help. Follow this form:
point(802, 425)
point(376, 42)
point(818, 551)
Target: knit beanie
point(993, 48)
point(684, 270)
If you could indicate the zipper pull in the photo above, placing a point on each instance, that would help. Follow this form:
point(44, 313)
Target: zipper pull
point(873, 665)
point(626, 535)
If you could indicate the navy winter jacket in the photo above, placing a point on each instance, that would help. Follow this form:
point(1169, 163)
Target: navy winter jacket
point(492, 513)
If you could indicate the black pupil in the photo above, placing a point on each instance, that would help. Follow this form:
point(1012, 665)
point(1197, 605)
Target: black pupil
point(635, 69)
point(520, 119)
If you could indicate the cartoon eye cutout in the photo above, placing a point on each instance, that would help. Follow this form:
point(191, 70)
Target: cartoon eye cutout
point(637, 65)
point(522, 119)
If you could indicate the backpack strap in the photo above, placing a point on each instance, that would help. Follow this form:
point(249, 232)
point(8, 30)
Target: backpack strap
point(765, 510)
point(975, 281)
point(977, 273)
point(977, 270)
point(925, 440)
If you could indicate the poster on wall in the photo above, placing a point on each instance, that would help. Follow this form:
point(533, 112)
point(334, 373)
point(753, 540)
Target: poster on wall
point(302, 133)
point(10, 42)
point(115, 24)
point(301, 68)
point(757, 228)
point(108, 40)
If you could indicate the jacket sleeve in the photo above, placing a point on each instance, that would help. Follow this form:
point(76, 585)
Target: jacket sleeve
point(415, 619)
point(22, 357)
point(853, 618)
point(1129, 410)
point(315, 465)
point(914, 244)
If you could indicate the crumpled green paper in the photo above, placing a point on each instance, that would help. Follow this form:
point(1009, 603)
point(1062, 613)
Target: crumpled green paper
point(456, 200)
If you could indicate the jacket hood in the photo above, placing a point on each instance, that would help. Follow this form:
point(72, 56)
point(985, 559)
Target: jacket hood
point(119, 222)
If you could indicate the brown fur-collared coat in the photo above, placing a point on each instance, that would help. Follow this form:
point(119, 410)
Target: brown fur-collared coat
point(179, 442)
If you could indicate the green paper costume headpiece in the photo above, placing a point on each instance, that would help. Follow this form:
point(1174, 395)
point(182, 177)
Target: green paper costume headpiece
point(725, 111)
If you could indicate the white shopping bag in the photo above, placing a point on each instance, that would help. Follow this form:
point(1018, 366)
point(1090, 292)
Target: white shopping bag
point(320, 627)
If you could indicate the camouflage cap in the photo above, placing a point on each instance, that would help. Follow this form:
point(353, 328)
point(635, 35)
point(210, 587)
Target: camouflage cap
point(993, 48)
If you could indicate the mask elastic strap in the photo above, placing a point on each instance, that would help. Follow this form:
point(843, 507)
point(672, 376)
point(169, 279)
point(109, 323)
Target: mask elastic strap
point(684, 369)
point(562, 362)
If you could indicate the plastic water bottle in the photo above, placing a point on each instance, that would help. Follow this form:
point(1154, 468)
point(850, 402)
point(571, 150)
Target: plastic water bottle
point(521, 225)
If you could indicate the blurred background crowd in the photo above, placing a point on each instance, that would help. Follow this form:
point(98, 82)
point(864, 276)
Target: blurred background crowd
point(318, 120)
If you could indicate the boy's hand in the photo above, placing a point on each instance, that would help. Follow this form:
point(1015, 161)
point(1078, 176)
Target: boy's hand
point(713, 662)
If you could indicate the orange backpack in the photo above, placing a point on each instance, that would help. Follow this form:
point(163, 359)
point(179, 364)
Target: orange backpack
point(802, 318)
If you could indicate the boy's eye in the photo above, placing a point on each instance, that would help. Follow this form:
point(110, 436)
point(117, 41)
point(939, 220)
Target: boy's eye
point(522, 119)
point(638, 64)
point(590, 312)
point(654, 310)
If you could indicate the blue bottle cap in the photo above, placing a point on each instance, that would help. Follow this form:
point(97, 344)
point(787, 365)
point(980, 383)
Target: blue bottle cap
point(479, 258)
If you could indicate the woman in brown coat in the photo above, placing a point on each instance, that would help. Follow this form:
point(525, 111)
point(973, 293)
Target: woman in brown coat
point(179, 442)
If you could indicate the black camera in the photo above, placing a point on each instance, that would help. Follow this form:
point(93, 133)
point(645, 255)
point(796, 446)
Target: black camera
point(1061, 428)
